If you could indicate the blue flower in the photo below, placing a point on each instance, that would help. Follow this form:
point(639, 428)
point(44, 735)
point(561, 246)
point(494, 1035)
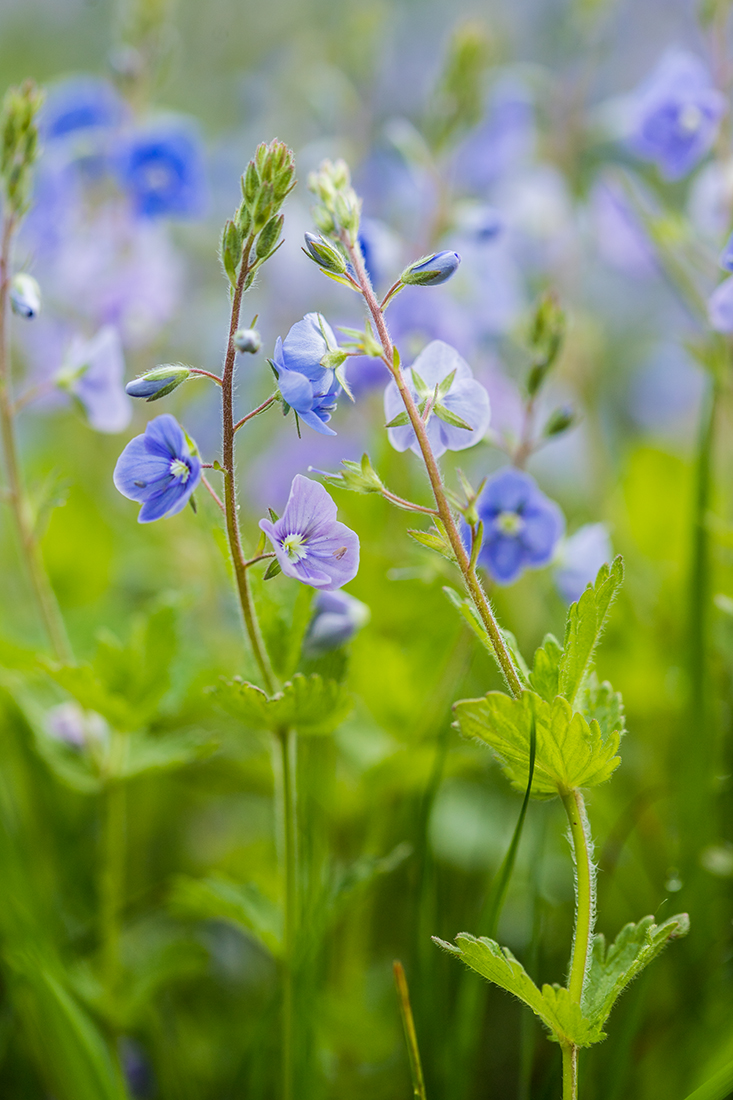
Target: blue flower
point(675, 114)
point(466, 399)
point(308, 387)
point(431, 270)
point(159, 469)
point(337, 617)
point(309, 543)
point(93, 373)
point(720, 307)
point(579, 559)
point(521, 525)
point(81, 104)
point(162, 169)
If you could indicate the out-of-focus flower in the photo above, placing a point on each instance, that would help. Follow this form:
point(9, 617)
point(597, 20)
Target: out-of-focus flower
point(158, 382)
point(379, 247)
point(461, 397)
point(337, 617)
point(309, 542)
point(720, 307)
point(666, 390)
point(579, 558)
point(25, 296)
point(431, 270)
point(504, 142)
point(711, 197)
point(162, 169)
point(136, 1068)
point(82, 103)
point(159, 469)
point(308, 387)
point(76, 727)
point(522, 526)
point(93, 372)
point(674, 115)
point(620, 234)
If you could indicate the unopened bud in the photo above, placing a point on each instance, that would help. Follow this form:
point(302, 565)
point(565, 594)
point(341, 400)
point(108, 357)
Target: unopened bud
point(268, 238)
point(325, 254)
point(159, 382)
point(247, 340)
point(25, 296)
point(560, 420)
point(431, 270)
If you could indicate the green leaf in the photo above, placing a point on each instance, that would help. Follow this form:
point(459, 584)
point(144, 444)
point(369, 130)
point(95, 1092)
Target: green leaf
point(399, 421)
point(273, 569)
point(310, 704)
point(717, 1087)
point(611, 969)
point(545, 675)
point(162, 753)
point(434, 539)
point(585, 622)
point(552, 1004)
point(243, 905)
point(600, 701)
point(570, 752)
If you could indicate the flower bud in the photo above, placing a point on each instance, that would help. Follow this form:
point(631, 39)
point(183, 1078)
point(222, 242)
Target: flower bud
point(268, 238)
point(159, 382)
point(25, 296)
point(247, 339)
point(431, 270)
point(560, 420)
point(324, 254)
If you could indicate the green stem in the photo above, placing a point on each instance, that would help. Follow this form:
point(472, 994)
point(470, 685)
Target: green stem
point(585, 891)
point(234, 538)
point(569, 1073)
point(288, 814)
point(408, 1022)
point(112, 885)
point(43, 593)
point(473, 585)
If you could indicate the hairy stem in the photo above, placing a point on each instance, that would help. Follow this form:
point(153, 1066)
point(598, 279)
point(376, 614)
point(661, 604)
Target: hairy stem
point(569, 1073)
point(234, 538)
point(473, 585)
point(43, 593)
point(585, 891)
point(288, 815)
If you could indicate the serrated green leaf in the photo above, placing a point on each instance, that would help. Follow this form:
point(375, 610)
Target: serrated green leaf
point(585, 623)
point(612, 968)
point(600, 701)
point(552, 1004)
point(570, 752)
point(310, 704)
point(241, 904)
point(545, 675)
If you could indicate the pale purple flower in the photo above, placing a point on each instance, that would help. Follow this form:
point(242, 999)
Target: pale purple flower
point(521, 526)
point(309, 542)
point(160, 469)
point(94, 372)
point(337, 617)
point(308, 387)
point(720, 306)
point(579, 558)
point(75, 727)
point(674, 115)
point(466, 398)
point(622, 240)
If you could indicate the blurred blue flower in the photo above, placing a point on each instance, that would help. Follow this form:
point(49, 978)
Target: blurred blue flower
point(379, 248)
point(521, 525)
point(726, 256)
point(309, 542)
point(309, 388)
point(162, 169)
point(504, 142)
point(136, 1067)
point(674, 114)
point(579, 558)
point(466, 398)
point(622, 240)
point(80, 104)
point(76, 727)
point(720, 307)
point(93, 372)
point(337, 617)
point(159, 469)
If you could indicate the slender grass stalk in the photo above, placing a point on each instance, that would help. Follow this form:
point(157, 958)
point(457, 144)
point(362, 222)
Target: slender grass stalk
point(286, 775)
point(717, 1087)
point(408, 1022)
point(43, 593)
point(445, 514)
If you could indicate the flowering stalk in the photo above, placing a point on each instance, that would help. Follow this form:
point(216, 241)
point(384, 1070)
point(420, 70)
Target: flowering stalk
point(44, 595)
point(476, 592)
point(585, 894)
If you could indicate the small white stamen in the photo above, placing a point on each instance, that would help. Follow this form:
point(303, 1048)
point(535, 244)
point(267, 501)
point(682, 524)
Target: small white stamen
point(509, 523)
point(294, 547)
point(180, 470)
point(690, 118)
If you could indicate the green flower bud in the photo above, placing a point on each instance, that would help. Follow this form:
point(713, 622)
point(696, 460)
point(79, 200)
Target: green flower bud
point(268, 238)
point(157, 383)
point(247, 340)
point(560, 420)
point(431, 270)
point(324, 254)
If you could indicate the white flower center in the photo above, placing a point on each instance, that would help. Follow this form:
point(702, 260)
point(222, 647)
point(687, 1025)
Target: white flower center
point(294, 547)
point(690, 118)
point(180, 470)
point(509, 523)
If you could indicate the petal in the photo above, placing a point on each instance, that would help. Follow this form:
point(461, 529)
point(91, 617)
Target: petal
point(469, 400)
point(508, 491)
point(544, 524)
point(313, 420)
point(438, 360)
point(304, 346)
point(164, 436)
point(337, 555)
point(138, 474)
point(172, 500)
point(503, 557)
point(400, 438)
point(296, 390)
point(309, 511)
